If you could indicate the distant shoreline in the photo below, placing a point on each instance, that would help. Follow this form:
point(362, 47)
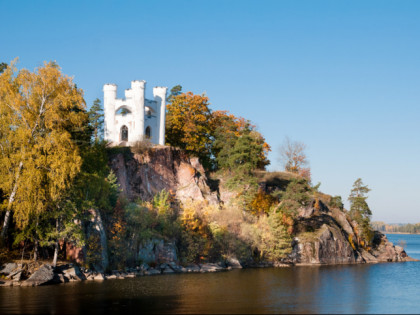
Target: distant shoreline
point(400, 233)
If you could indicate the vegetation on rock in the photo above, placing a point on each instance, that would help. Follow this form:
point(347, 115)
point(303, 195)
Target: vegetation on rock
point(59, 184)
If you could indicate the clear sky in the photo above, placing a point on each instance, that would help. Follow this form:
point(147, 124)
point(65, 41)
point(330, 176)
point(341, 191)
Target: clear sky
point(341, 76)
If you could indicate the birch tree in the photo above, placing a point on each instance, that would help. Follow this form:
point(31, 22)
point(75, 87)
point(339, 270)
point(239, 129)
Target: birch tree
point(39, 113)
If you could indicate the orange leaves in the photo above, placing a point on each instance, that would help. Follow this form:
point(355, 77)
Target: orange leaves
point(187, 124)
point(262, 202)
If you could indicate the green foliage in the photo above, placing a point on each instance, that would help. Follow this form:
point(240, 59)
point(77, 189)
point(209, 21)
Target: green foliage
point(359, 209)
point(337, 202)
point(96, 119)
point(232, 134)
point(244, 156)
point(3, 66)
point(296, 195)
point(278, 243)
point(93, 250)
point(175, 91)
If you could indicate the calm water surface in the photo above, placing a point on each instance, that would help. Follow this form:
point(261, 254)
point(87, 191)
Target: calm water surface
point(379, 288)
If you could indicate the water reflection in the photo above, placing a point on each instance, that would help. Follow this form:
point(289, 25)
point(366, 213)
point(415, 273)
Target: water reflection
point(380, 288)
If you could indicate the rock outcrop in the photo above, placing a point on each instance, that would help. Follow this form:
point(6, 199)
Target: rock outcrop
point(144, 175)
point(329, 237)
point(158, 250)
point(44, 275)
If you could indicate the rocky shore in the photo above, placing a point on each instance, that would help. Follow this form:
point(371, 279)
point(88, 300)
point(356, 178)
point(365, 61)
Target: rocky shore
point(14, 274)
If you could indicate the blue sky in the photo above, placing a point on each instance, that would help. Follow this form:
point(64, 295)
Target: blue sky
point(341, 76)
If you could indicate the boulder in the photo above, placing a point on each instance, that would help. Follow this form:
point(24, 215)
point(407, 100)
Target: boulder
point(8, 268)
point(16, 275)
point(99, 277)
point(152, 272)
point(192, 268)
point(74, 274)
point(168, 270)
point(234, 263)
point(44, 275)
point(210, 268)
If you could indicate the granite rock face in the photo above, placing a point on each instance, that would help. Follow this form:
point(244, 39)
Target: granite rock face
point(44, 275)
point(144, 175)
point(158, 250)
point(329, 237)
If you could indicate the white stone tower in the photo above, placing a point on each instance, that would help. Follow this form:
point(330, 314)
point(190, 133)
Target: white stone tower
point(134, 118)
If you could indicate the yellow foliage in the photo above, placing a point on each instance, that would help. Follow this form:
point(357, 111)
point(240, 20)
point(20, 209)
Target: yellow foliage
point(39, 112)
point(351, 242)
point(262, 202)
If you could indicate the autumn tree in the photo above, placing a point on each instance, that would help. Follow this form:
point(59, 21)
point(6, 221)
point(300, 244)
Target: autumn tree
point(96, 119)
point(188, 127)
point(294, 159)
point(41, 113)
point(237, 143)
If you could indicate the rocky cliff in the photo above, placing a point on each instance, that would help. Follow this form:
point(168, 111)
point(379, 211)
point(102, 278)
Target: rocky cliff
point(323, 236)
point(146, 174)
point(327, 236)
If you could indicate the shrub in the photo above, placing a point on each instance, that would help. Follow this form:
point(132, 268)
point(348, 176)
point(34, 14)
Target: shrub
point(141, 147)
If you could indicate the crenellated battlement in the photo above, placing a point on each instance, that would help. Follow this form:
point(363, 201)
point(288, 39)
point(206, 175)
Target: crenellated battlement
point(134, 117)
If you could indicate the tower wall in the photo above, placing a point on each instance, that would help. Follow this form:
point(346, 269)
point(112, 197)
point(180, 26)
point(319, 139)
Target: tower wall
point(110, 97)
point(135, 121)
point(138, 94)
point(159, 93)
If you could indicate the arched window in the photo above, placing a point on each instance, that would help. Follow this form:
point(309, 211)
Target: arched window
point(148, 132)
point(124, 133)
point(148, 113)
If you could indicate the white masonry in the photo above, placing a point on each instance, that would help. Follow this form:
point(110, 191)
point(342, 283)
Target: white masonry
point(134, 118)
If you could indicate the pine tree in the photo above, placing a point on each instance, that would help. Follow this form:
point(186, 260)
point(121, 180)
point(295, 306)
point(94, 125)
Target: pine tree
point(360, 211)
point(96, 119)
point(176, 90)
point(3, 67)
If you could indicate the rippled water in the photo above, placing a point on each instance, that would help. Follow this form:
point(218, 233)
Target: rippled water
point(378, 288)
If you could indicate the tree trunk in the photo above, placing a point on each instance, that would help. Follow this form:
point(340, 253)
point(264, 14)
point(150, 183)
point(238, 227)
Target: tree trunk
point(98, 225)
point(9, 204)
point(36, 242)
point(56, 246)
point(23, 251)
point(55, 254)
point(36, 254)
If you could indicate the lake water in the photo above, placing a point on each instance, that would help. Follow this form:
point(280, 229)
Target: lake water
point(378, 288)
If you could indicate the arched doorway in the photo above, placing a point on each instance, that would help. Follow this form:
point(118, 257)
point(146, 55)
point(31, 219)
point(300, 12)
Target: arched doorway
point(148, 132)
point(124, 133)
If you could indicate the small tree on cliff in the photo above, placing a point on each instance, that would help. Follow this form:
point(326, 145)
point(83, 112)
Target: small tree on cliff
point(96, 119)
point(237, 143)
point(359, 209)
point(294, 159)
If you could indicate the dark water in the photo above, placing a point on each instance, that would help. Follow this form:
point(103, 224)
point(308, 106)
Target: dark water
point(379, 288)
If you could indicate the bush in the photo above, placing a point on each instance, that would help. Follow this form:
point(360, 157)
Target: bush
point(141, 147)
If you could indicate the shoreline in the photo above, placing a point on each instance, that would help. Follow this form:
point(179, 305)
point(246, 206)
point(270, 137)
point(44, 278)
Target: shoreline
point(404, 233)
